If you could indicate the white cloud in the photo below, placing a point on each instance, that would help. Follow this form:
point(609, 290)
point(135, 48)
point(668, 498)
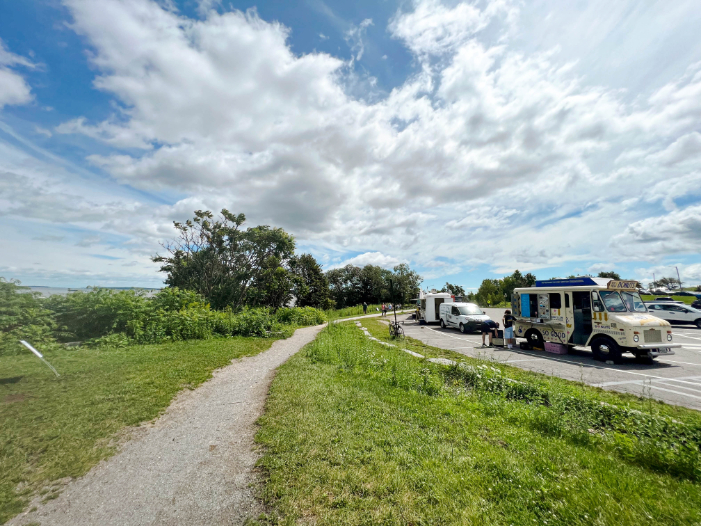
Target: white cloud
point(487, 155)
point(433, 28)
point(370, 258)
point(355, 37)
point(13, 88)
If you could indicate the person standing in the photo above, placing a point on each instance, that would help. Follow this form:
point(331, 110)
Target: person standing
point(508, 327)
point(365, 307)
point(384, 310)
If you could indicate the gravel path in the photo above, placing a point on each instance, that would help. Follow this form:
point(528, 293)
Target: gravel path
point(193, 466)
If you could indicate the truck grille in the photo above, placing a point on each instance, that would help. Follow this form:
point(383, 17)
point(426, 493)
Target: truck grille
point(653, 336)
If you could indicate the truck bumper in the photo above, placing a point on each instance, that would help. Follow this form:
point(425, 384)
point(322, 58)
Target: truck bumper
point(656, 349)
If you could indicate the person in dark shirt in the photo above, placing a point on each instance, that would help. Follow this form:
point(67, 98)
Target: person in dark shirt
point(489, 327)
point(508, 327)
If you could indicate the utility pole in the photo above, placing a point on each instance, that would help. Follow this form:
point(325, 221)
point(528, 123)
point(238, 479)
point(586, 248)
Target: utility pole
point(679, 279)
point(654, 283)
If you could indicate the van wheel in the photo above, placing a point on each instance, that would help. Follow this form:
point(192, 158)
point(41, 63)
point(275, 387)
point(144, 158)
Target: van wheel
point(463, 329)
point(535, 339)
point(605, 349)
point(442, 324)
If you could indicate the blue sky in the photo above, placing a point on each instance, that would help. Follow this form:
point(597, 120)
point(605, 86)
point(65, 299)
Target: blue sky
point(465, 138)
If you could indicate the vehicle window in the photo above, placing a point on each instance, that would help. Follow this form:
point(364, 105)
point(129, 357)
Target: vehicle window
point(567, 301)
point(469, 310)
point(612, 300)
point(555, 300)
point(596, 302)
point(633, 302)
point(670, 307)
point(654, 307)
point(455, 311)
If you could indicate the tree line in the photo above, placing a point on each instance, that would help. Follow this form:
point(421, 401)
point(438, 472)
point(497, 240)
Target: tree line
point(234, 267)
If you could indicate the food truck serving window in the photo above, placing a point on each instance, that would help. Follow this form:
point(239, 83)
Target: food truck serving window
point(555, 300)
point(613, 301)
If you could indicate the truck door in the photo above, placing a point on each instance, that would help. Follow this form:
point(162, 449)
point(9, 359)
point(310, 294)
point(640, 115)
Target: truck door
point(582, 317)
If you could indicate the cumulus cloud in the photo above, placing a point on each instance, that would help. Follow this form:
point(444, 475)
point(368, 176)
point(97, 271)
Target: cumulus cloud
point(676, 232)
point(13, 88)
point(370, 258)
point(487, 155)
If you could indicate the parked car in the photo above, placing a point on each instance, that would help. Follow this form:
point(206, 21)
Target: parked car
point(686, 293)
point(696, 304)
point(675, 312)
point(467, 317)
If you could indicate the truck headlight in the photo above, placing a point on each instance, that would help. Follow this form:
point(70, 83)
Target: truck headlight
point(636, 338)
point(669, 337)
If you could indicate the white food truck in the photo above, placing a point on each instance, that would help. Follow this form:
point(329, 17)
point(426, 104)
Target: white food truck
point(604, 314)
point(467, 317)
point(428, 305)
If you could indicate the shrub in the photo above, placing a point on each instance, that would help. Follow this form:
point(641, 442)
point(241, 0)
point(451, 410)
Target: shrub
point(23, 317)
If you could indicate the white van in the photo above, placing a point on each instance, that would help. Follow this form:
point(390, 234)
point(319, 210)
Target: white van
point(467, 317)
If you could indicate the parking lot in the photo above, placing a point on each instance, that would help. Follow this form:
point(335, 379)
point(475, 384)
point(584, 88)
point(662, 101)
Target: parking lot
point(673, 379)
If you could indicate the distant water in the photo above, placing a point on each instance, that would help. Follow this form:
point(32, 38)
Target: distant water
point(50, 291)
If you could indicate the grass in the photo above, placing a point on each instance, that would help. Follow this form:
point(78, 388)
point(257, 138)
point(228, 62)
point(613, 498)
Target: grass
point(686, 299)
point(60, 427)
point(351, 312)
point(356, 433)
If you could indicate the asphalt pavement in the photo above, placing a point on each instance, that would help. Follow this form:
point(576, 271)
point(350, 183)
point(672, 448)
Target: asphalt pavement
point(673, 379)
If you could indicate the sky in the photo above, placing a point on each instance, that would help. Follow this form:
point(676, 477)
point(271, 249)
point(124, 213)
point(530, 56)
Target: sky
point(467, 139)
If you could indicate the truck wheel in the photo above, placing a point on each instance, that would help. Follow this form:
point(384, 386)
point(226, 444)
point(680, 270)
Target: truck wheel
point(442, 324)
point(535, 339)
point(463, 329)
point(605, 349)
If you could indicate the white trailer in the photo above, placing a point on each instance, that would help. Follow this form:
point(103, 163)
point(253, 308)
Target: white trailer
point(429, 304)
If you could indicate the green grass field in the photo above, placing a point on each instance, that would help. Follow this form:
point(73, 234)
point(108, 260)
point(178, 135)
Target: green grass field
point(356, 433)
point(686, 299)
point(61, 427)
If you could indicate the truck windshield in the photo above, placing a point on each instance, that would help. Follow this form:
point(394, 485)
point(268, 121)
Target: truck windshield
point(468, 310)
point(633, 302)
point(613, 301)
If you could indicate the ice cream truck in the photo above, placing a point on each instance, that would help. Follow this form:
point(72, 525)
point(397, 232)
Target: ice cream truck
point(607, 315)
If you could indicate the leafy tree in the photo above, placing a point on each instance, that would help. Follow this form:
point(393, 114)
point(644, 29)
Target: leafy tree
point(610, 274)
point(455, 290)
point(225, 263)
point(310, 286)
point(668, 283)
point(496, 291)
point(406, 284)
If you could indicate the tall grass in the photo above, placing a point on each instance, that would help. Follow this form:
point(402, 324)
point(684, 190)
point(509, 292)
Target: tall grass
point(358, 433)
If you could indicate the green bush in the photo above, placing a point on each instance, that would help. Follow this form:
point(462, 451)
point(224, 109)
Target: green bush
point(99, 312)
point(23, 317)
point(105, 317)
point(303, 316)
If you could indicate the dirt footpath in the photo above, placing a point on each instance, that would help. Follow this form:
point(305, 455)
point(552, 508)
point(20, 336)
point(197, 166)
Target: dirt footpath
point(193, 466)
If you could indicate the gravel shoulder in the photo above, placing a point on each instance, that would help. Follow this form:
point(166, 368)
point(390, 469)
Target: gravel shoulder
point(194, 465)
